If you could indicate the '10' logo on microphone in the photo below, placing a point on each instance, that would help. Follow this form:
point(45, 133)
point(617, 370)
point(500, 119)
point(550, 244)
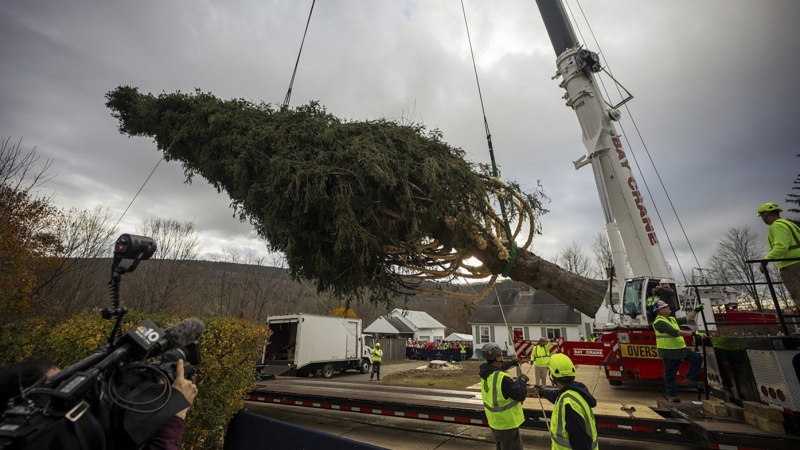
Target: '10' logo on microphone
point(150, 334)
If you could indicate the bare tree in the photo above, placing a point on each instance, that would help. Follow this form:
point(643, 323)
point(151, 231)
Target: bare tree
point(165, 286)
point(28, 224)
point(602, 253)
point(574, 260)
point(18, 168)
point(738, 245)
point(84, 235)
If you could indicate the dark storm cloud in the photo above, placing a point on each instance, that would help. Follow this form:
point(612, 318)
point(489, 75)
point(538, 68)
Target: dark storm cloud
point(714, 84)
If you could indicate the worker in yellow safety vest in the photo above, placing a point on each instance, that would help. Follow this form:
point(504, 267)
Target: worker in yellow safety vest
point(572, 423)
point(502, 397)
point(377, 356)
point(672, 347)
point(541, 360)
point(784, 242)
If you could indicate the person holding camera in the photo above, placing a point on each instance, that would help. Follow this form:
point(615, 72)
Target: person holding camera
point(17, 377)
point(170, 434)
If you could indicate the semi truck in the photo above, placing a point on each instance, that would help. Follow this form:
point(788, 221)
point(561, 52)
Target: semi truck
point(307, 344)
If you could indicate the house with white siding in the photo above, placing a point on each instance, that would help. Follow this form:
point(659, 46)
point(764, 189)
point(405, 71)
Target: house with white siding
point(518, 308)
point(404, 323)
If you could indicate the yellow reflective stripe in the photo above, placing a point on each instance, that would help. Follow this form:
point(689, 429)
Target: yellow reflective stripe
point(559, 412)
point(494, 407)
point(793, 230)
point(665, 340)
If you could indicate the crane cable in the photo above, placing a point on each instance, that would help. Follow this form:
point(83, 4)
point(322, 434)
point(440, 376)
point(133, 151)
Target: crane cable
point(297, 62)
point(285, 104)
point(633, 154)
point(174, 140)
point(513, 250)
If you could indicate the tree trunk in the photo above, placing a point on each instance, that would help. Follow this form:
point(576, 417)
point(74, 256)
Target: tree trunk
point(584, 294)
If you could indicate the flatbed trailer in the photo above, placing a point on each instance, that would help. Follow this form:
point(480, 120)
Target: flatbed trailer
point(685, 423)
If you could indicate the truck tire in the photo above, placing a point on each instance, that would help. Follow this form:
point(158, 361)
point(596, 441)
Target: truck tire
point(615, 382)
point(364, 367)
point(327, 371)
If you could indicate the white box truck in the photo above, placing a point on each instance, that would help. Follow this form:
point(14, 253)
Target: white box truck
point(304, 344)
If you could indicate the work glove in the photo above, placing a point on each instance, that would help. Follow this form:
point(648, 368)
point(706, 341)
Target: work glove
point(524, 378)
point(698, 308)
point(700, 335)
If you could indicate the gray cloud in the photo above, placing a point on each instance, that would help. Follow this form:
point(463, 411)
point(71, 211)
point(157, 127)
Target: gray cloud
point(714, 83)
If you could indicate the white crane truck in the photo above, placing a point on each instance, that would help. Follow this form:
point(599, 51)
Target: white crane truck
point(764, 369)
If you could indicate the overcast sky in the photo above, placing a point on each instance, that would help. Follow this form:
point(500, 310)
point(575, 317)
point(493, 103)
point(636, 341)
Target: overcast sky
point(715, 86)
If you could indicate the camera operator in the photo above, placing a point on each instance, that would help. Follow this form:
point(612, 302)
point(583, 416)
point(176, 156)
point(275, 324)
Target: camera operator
point(170, 434)
point(17, 377)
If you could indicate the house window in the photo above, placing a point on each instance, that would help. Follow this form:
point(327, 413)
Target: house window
point(483, 335)
point(518, 331)
point(555, 333)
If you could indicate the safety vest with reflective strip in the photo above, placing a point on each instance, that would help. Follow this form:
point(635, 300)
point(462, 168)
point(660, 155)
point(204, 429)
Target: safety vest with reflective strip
point(541, 355)
point(667, 341)
point(793, 250)
point(651, 301)
point(502, 413)
point(559, 438)
point(376, 355)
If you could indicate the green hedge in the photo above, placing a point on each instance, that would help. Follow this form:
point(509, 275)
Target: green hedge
point(229, 348)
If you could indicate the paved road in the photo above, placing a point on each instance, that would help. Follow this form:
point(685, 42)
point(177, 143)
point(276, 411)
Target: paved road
point(401, 434)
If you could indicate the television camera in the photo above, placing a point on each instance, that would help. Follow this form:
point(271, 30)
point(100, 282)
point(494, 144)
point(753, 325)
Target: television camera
point(125, 386)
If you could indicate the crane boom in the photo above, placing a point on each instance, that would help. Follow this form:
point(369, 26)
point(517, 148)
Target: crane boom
point(630, 230)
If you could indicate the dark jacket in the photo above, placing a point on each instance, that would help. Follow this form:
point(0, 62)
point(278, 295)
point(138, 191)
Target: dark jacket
point(510, 388)
point(579, 437)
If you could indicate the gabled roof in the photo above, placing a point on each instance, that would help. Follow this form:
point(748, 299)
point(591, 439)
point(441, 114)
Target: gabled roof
point(399, 325)
point(381, 325)
point(539, 308)
point(416, 319)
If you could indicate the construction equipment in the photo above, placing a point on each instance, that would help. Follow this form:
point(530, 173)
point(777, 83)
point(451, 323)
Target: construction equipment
point(755, 368)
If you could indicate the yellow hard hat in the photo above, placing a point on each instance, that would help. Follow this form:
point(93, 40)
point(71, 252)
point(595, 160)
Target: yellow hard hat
point(377, 344)
point(561, 366)
point(768, 207)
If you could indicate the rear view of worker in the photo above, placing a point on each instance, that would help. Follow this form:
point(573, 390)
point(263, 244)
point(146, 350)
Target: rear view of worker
point(377, 356)
point(541, 360)
point(502, 398)
point(572, 423)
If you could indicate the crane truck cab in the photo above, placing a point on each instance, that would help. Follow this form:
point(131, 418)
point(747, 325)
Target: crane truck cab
point(636, 307)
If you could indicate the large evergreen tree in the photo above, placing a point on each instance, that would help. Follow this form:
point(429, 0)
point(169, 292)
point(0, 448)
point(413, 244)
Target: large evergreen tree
point(366, 209)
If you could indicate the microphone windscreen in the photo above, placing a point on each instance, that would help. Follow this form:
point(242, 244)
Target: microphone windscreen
point(185, 332)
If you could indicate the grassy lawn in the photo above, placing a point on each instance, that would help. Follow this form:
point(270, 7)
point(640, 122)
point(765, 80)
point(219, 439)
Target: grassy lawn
point(464, 375)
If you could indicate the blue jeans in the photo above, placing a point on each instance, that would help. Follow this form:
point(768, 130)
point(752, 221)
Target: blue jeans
point(376, 369)
point(671, 367)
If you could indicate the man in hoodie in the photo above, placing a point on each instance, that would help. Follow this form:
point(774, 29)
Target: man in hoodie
point(502, 398)
point(572, 423)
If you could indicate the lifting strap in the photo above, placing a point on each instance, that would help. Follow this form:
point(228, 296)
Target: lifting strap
point(513, 251)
